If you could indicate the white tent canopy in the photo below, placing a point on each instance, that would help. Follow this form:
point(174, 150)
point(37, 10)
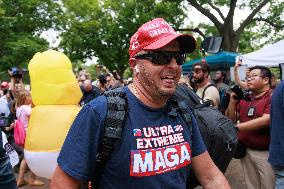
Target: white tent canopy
point(270, 56)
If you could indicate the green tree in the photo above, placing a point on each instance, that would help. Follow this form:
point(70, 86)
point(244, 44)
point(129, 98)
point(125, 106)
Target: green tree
point(21, 23)
point(103, 28)
point(265, 21)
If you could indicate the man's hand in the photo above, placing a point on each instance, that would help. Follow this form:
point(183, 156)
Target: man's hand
point(233, 99)
point(231, 110)
point(12, 125)
point(237, 64)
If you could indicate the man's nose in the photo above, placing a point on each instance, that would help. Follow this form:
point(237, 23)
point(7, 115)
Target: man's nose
point(173, 63)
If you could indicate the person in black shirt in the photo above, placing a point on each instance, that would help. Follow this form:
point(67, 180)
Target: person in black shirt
point(89, 92)
point(7, 178)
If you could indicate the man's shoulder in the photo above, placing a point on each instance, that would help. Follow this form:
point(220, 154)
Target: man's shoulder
point(210, 87)
point(224, 86)
point(98, 102)
point(101, 101)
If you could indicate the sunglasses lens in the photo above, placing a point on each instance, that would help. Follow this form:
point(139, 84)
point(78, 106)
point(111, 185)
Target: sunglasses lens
point(165, 58)
point(196, 70)
point(161, 59)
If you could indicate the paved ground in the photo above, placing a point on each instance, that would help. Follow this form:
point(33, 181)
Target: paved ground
point(233, 174)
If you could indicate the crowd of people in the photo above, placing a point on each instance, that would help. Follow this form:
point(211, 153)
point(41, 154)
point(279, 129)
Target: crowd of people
point(16, 104)
point(92, 88)
point(250, 107)
point(140, 160)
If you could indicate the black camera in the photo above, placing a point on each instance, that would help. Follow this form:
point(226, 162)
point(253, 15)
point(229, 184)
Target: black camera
point(4, 121)
point(241, 94)
point(102, 79)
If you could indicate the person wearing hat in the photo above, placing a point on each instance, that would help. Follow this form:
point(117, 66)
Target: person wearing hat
point(4, 86)
point(157, 149)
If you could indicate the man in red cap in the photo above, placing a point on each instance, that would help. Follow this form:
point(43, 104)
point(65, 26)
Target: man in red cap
point(157, 148)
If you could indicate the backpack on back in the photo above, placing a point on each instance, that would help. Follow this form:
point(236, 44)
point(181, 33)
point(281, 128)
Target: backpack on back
point(218, 132)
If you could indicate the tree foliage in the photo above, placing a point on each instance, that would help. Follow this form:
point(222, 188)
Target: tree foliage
point(21, 23)
point(103, 28)
point(264, 21)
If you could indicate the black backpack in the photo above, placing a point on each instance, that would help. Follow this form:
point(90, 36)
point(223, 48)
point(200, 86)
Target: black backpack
point(218, 132)
point(221, 150)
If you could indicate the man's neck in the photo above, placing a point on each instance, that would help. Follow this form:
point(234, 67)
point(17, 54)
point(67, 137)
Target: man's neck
point(219, 82)
point(146, 98)
point(203, 83)
point(261, 92)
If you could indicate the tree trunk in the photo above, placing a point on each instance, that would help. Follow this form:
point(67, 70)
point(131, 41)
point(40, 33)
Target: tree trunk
point(231, 40)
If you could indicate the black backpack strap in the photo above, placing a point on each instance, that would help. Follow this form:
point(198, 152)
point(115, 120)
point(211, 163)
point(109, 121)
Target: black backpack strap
point(117, 109)
point(184, 92)
point(177, 103)
point(183, 108)
point(203, 93)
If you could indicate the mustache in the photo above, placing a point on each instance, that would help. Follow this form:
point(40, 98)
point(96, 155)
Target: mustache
point(170, 72)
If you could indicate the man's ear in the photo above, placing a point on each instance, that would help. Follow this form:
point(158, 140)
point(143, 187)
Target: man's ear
point(266, 80)
point(132, 63)
point(206, 74)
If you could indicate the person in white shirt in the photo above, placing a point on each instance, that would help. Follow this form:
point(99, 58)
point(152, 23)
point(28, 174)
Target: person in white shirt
point(204, 89)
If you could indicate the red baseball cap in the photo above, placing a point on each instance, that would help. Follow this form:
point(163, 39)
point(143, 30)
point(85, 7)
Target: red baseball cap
point(156, 34)
point(4, 84)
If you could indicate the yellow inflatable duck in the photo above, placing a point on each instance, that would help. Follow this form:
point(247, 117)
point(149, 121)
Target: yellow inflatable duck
point(55, 94)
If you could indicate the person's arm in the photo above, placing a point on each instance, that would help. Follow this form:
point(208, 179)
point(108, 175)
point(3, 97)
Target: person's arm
point(71, 175)
point(61, 180)
point(231, 110)
point(209, 176)
point(241, 83)
point(12, 125)
point(255, 124)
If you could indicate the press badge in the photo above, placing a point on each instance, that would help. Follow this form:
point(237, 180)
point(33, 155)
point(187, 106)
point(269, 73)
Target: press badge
point(251, 111)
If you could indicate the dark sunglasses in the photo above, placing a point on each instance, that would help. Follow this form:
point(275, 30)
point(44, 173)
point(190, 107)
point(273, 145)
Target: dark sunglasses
point(163, 57)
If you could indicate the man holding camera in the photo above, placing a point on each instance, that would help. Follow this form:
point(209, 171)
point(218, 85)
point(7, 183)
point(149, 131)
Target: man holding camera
point(253, 127)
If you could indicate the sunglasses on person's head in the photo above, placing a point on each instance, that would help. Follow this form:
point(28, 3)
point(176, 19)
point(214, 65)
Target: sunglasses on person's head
point(163, 57)
point(196, 70)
